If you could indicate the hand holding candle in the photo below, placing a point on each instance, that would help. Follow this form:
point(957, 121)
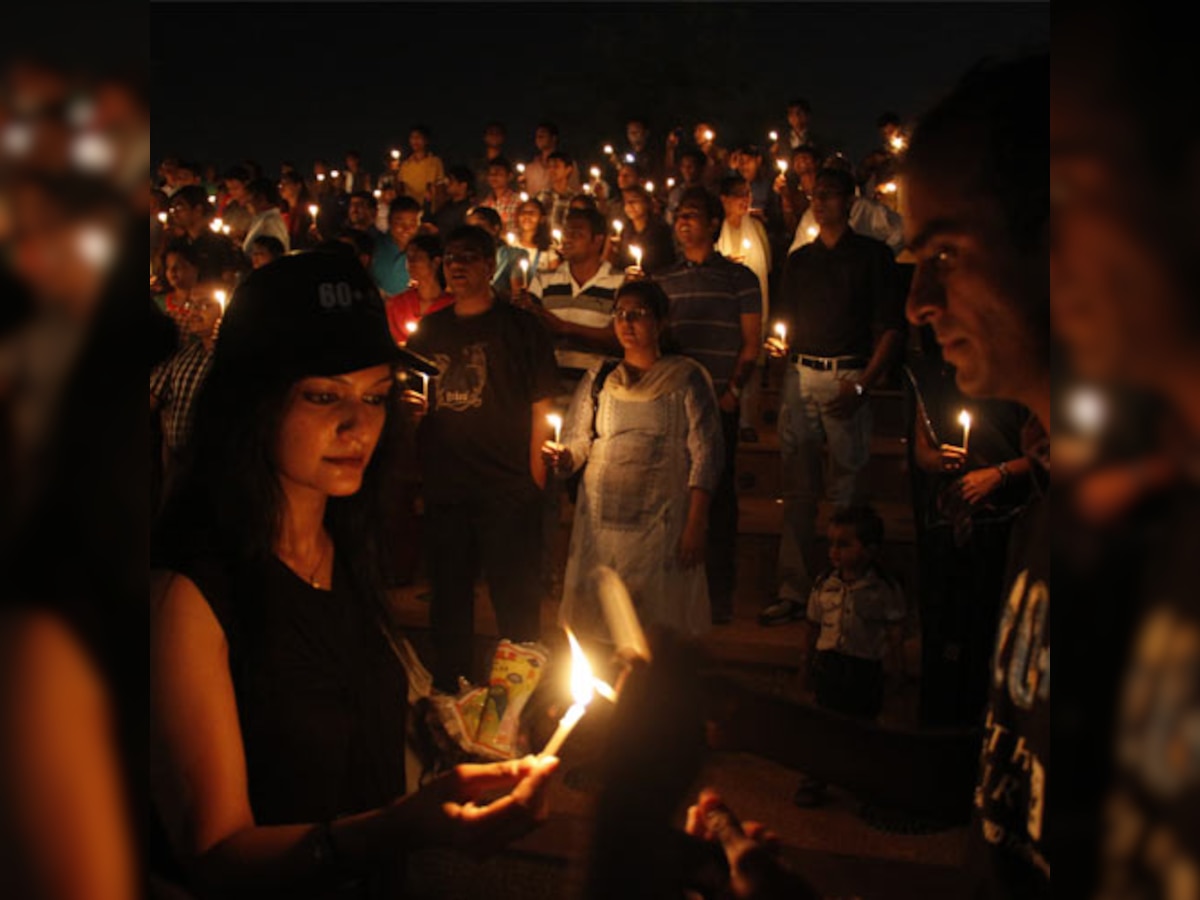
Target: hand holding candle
point(777, 345)
point(583, 689)
point(636, 252)
point(524, 264)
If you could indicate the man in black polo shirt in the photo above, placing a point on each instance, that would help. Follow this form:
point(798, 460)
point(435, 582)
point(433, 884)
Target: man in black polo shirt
point(191, 213)
point(841, 303)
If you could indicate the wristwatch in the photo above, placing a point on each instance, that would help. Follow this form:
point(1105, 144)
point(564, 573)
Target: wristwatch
point(1002, 468)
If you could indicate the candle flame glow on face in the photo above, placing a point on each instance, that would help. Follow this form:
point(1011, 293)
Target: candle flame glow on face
point(583, 685)
point(964, 419)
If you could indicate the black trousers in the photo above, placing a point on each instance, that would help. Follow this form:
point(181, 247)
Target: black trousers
point(848, 684)
point(502, 538)
point(723, 526)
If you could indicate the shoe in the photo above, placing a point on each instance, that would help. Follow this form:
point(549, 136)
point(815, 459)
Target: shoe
point(748, 435)
point(810, 793)
point(781, 612)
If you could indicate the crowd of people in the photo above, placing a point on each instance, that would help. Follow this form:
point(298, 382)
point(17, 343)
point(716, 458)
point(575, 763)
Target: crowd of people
point(640, 297)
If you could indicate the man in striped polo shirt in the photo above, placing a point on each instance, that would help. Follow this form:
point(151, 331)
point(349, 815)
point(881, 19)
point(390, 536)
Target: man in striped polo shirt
point(575, 301)
point(716, 314)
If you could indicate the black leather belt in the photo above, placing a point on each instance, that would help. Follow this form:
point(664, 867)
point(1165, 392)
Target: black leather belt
point(826, 363)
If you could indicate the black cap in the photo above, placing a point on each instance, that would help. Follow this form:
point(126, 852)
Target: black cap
point(308, 314)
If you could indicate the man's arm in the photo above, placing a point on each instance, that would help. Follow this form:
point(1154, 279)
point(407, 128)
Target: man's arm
point(601, 339)
point(887, 347)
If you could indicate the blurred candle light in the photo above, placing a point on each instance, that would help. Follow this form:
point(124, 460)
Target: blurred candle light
point(781, 332)
point(556, 235)
point(812, 232)
point(225, 229)
point(216, 225)
point(888, 187)
point(964, 419)
point(783, 166)
point(511, 238)
point(395, 153)
point(554, 420)
point(162, 218)
point(212, 199)
point(334, 174)
point(618, 227)
point(378, 193)
point(630, 158)
point(670, 183)
point(583, 689)
point(524, 264)
point(524, 197)
point(649, 187)
point(773, 135)
point(636, 252)
point(594, 171)
point(1086, 410)
point(708, 135)
point(608, 149)
point(220, 297)
point(320, 176)
point(898, 143)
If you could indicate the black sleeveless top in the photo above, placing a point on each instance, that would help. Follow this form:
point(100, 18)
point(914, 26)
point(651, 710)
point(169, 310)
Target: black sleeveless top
point(321, 696)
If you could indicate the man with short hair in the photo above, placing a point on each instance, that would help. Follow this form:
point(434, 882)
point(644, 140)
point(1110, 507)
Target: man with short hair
point(389, 261)
point(262, 200)
point(191, 214)
point(575, 301)
point(479, 448)
point(716, 317)
point(646, 157)
point(460, 186)
point(556, 199)
point(691, 174)
point(354, 178)
point(840, 301)
point(494, 135)
point(233, 210)
point(508, 257)
point(503, 198)
point(867, 216)
point(537, 170)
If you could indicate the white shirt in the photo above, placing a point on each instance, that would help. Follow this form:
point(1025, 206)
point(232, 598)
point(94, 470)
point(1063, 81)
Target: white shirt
point(268, 222)
point(756, 257)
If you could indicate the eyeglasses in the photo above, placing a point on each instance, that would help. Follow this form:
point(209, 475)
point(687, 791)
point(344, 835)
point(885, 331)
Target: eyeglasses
point(632, 315)
point(464, 258)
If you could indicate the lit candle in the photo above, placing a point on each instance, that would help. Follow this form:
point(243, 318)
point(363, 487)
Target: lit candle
point(511, 238)
point(225, 229)
point(587, 187)
point(888, 187)
point(313, 209)
point(812, 232)
point(216, 225)
point(670, 183)
point(378, 193)
point(773, 135)
point(898, 142)
point(334, 174)
point(162, 218)
point(212, 198)
point(555, 422)
point(556, 235)
point(524, 197)
point(524, 264)
point(220, 296)
point(649, 187)
point(520, 168)
point(594, 171)
point(636, 252)
point(964, 419)
point(608, 149)
point(395, 153)
point(618, 225)
point(424, 383)
point(582, 690)
point(781, 332)
point(630, 158)
point(320, 176)
point(783, 166)
point(708, 135)
point(411, 326)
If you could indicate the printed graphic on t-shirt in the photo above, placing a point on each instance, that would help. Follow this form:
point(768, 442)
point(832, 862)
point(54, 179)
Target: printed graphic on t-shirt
point(463, 379)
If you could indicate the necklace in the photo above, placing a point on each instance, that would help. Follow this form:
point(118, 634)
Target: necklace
point(311, 577)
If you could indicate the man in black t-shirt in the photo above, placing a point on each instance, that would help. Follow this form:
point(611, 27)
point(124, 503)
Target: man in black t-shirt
point(478, 447)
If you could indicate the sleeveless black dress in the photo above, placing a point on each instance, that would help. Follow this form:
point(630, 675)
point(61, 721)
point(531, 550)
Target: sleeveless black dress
point(321, 696)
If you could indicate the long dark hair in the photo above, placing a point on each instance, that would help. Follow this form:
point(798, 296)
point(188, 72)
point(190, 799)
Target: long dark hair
point(228, 500)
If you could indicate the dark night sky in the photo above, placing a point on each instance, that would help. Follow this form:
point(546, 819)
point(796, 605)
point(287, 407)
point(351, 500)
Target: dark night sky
point(277, 81)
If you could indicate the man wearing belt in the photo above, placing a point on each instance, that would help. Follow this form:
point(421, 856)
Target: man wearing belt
point(841, 303)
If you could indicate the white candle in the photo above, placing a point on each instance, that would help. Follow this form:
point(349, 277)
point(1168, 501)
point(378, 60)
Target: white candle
point(964, 419)
point(618, 226)
point(424, 383)
point(556, 235)
point(783, 166)
point(781, 331)
point(636, 252)
point(555, 422)
point(583, 688)
point(524, 264)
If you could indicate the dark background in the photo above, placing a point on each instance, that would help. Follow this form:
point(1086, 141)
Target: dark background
point(296, 81)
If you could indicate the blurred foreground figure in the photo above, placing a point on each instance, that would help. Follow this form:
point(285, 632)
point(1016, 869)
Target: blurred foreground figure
point(1124, 284)
point(72, 720)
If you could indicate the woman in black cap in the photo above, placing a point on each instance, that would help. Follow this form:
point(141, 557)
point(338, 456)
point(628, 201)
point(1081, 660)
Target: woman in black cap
point(278, 701)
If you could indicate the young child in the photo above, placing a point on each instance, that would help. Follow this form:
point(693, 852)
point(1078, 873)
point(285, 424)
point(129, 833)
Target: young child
point(854, 616)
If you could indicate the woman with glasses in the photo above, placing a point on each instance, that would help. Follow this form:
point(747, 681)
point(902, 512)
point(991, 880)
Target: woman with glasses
point(648, 431)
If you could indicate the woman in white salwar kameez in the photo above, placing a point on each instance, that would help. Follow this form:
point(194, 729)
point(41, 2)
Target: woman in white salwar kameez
point(651, 441)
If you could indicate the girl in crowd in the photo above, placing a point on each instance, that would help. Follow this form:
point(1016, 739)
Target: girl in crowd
point(298, 219)
point(278, 701)
point(646, 230)
point(651, 439)
point(533, 236)
point(426, 293)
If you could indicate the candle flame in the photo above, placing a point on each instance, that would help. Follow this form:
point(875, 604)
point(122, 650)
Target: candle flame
point(162, 217)
point(783, 166)
point(334, 174)
point(511, 238)
point(813, 231)
point(605, 690)
point(618, 225)
point(524, 265)
point(636, 252)
point(520, 168)
point(898, 142)
point(395, 153)
point(888, 187)
point(378, 193)
point(608, 150)
point(225, 229)
point(781, 330)
point(587, 188)
point(220, 298)
point(773, 135)
point(216, 226)
point(212, 198)
point(524, 197)
point(557, 235)
point(745, 243)
point(320, 176)
point(708, 135)
point(410, 326)
point(670, 183)
point(964, 419)
point(313, 209)
point(649, 187)
point(583, 682)
point(594, 171)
